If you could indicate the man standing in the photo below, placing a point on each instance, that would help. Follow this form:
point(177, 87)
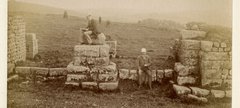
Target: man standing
point(144, 72)
point(91, 30)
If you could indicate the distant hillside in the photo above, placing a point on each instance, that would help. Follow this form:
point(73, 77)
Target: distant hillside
point(16, 7)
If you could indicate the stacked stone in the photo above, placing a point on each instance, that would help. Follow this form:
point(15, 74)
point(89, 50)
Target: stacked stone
point(157, 75)
point(31, 45)
point(92, 69)
point(16, 39)
point(188, 34)
point(188, 68)
point(215, 63)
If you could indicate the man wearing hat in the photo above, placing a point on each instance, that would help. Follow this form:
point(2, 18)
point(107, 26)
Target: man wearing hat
point(144, 72)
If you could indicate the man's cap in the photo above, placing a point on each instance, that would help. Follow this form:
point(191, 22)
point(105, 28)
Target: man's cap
point(143, 50)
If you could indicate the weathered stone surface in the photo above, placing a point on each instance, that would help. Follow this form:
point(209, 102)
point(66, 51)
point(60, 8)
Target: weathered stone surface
point(189, 61)
point(194, 70)
point(111, 67)
point(87, 50)
point(160, 75)
point(168, 73)
point(77, 77)
point(215, 56)
point(76, 69)
point(72, 83)
point(216, 44)
point(227, 49)
point(186, 80)
point(223, 45)
point(211, 74)
point(218, 93)
point(199, 92)
point(23, 71)
point(123, 73)
point(103, 61)
point(133, 75)
point(181, 69)
point(228, 93)
point(40, 71)
point(181, 90)
point(89, 85)
point(220, 50)
point(57, 71)
point(190, 44)
point(188, 34)
point(215, 82)
point(109, 86)
point(215, 49)
point(189, 53)
point(104, 50)
point(206, 45)
point(199, 99)
point(107, 77)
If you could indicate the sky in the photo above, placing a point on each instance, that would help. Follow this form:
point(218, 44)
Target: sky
point(210, 8)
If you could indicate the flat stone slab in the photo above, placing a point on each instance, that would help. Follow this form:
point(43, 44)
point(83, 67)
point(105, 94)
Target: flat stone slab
point(218, 93)
point(186, 80)
point(200, 92)
point(72, 83)
point(89, 85)
point(109, 86)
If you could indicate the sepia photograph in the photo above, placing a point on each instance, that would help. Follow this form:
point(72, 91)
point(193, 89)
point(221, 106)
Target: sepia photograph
point(119, 53)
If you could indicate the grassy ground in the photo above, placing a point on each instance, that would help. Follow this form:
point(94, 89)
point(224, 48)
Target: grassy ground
point(54, 94)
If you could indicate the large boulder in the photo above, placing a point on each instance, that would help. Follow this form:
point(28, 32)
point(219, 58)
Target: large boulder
point(181, 90)
point(199, 92)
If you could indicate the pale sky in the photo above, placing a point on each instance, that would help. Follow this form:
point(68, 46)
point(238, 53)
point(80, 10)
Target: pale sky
point(223, 8)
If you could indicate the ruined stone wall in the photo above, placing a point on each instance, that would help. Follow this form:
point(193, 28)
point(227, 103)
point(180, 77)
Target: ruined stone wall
point(204, 62)
point(16, 39)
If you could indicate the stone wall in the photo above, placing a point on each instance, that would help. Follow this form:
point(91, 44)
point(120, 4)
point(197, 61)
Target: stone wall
point(16, 39)
point(209, 63)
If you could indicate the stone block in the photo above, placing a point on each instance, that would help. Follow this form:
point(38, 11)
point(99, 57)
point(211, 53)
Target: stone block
point(187, 80)
point(194, 70)
point(181, 90)
point(87, 50)
point(77, 77)
point(189, 34)
point(220, 50)
point(112, 67)
point(215, 49)
point(181, 69)
point(72, 83)
point(89, 85)
point(40, 71)
point(189, 53)
point(190, 44)
point(218, 93)
point(23, 71)
point(211, 82)
point(224, 45)
point(123, 73)
point(133, 75)
point(200, 92)
point(108, 86)
point(57, 71)
point(227, 49)
point(211, 74)
point(215, 56)
point(206, 45)
point(107, 77)
point(228, 93)
point(76, 69)
point(168, 73)
point(189, 61)
point(216, 44)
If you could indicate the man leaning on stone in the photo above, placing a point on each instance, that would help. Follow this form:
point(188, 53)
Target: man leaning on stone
point(144, 72)
point(91, 30)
